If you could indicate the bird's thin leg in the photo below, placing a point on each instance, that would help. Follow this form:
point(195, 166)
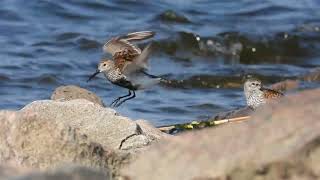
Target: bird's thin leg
point(119, 98)
point(124, 100)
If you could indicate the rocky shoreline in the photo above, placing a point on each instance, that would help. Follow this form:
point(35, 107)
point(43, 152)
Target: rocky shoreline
point(73, 136)
point(47, 134)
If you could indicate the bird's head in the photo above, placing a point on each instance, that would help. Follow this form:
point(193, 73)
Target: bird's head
point(252, 85)
point(104, 66)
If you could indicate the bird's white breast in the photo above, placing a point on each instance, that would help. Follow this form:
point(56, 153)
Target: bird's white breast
point(255, 99)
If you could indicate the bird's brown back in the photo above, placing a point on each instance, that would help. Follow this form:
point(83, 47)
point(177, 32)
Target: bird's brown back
point(271, 94)
point(124, 58)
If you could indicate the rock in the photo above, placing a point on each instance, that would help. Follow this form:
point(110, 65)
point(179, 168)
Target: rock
point(149, 129)
point(281, 141)
point(313, 76)
point(286, 85)
point(171, 16)
point(246, 111)
point(63, 173)
point(70, 92)
point(46, 134)
point(7, 171)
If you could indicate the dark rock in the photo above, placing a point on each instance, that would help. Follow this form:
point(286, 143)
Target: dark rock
point(313, 76)
point(286, 85)
point(171, 16)
point(246, 111)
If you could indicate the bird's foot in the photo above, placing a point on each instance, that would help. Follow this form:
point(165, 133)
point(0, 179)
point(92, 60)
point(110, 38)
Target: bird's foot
point(114, 103)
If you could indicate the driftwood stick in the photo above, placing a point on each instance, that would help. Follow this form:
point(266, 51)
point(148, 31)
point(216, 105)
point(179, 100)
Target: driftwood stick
point(237, 119)
point(166, 128)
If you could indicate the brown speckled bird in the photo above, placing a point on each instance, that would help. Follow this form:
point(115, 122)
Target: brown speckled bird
point(257, 95)
point(129, 65)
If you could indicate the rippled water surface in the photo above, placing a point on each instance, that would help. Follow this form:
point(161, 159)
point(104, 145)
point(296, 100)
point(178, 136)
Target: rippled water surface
point(205, 47)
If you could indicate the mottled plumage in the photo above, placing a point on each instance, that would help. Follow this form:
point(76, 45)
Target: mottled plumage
point(257, 95)
point(129, 65)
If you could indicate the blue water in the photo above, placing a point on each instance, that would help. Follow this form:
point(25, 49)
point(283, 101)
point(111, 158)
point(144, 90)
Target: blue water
point(46, 44)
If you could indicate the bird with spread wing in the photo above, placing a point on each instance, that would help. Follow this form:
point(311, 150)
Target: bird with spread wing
point(128, 66)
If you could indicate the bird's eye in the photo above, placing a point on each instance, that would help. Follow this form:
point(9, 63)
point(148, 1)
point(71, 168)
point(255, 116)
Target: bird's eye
point(104, 64)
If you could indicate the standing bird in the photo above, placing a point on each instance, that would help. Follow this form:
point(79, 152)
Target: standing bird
point(129, 65)
point(257, 95)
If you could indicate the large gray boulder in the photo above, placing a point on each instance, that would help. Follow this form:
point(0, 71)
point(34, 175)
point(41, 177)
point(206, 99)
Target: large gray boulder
point(46, 134)
point(281, 141)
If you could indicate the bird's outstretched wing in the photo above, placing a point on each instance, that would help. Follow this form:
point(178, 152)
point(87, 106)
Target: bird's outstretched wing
point(129, 63)
point(123, 43)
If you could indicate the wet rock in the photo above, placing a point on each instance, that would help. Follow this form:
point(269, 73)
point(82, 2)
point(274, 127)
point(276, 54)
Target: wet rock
point(63, 173)
point(171, 16)
point(313, 76)
point(220, 46)
point(246, 111)
point(46, 134)
point(286, 85)
point(281, 141)
point(47, 79)
point(87, 44)
point(308, 27)
point(70, 92)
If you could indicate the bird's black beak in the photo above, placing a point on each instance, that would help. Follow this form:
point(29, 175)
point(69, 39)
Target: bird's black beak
point(93, 75)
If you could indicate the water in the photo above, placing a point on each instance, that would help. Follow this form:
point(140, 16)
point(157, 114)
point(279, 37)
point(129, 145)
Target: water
point(206, 53)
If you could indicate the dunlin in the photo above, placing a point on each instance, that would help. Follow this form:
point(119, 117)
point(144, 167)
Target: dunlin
point(257, 95)
point(129, 65)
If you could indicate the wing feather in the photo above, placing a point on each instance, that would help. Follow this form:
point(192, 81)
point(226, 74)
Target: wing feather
point(139, 63)
point(122, 43)
point(271, 94)
point(141, 35)
point(115, 45)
